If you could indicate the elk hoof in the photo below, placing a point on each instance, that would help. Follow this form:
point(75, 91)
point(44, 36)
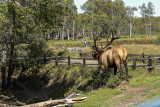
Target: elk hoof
point(123, 86)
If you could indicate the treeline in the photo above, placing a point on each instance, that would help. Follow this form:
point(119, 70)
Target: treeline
point(101, 17)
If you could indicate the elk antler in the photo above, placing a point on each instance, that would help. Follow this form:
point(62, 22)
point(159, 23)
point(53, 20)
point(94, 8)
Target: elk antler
point(110, 41)
point(95, 47)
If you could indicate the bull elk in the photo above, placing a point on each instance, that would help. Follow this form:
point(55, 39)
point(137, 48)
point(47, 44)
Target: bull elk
point(110, 57)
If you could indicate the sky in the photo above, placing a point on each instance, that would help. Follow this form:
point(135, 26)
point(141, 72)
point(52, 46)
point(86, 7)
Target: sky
point(135, 3)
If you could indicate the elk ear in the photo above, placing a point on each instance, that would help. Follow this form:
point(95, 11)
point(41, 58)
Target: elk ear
point(95, 55)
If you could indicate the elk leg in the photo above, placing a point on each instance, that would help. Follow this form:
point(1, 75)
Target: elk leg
point(115, 70)
point(118, 64)
point(107, 73)
point(99, 66)
point(126, 67)
point(120, 70)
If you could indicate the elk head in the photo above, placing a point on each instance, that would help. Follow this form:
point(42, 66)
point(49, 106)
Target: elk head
point(97, 49)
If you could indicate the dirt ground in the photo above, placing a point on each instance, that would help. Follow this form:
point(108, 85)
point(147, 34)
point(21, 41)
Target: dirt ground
point(136, 94)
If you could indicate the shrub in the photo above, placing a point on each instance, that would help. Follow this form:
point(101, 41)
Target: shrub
point(50, 52)
point(113, 81)
point(37, 48)
point(34, 99)
point(158, 41)
point(66, 53)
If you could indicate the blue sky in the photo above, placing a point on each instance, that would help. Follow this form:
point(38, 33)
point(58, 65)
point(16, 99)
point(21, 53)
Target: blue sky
point(135, 3)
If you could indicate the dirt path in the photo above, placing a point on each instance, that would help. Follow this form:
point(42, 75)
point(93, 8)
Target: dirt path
point(80, 61)
point(134, 95)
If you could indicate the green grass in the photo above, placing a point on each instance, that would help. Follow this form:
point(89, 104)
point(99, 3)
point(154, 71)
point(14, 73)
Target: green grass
point(66, 43)
point(137, 39)
point(114, 102)
point(97, 98)
point(139, 49)
point(140, 77)
point(138, 44)
point(154, 86)
point(152, 95)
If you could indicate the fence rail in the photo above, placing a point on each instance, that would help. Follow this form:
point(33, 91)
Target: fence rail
point(134, 60)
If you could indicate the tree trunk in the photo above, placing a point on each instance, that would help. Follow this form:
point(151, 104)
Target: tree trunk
point(3, 69)
point(63, 28)
point(68, 34)
point(83, 33)
point(92, 27)
point(130, 33)
point(73, 30)
point(118, 32)
point(10, 73)
point(3, 75)
point(146, 27)
point(12, 41)
point(150, 24)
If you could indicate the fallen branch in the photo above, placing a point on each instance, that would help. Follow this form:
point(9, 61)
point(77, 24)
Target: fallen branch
point(49, 103)
point(12, 99)
point(57, 103)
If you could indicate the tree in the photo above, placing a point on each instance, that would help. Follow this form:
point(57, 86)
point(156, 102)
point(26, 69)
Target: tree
point(24, 22)
point(105, 16)
point(70, 11)
point(150, 14)
point(131, 14)
point(147, 13)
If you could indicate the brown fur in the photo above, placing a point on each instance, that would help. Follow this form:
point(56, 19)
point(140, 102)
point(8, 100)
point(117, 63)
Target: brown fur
point(113, 57)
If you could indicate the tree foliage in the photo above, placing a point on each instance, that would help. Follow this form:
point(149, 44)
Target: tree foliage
point(26, 22)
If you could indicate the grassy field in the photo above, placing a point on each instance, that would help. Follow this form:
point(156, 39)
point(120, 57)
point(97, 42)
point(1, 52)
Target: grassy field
point(135, 45)
point(139, 39)
point(142, 87)
point(150, 49)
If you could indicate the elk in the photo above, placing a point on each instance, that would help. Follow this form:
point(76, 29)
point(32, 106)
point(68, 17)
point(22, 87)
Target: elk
point(111, 57)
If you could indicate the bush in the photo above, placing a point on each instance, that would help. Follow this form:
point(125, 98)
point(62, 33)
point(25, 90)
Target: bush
point(158, 41)
point(37, 48)
point(66, 53)
point(113, 81)
point(50, 52)
point(16, 85)
point(34, 99)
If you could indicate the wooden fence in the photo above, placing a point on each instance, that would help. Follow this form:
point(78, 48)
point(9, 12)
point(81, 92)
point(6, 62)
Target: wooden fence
point(134, 61)
point(142, 60)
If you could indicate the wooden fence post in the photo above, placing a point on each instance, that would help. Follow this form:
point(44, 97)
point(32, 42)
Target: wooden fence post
point(150, 64)
point(69, 60)
point(56, 60)
point(134, 63)
point(3, 76)
point(149, 61)
point(84, 61)
point(143, 61)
